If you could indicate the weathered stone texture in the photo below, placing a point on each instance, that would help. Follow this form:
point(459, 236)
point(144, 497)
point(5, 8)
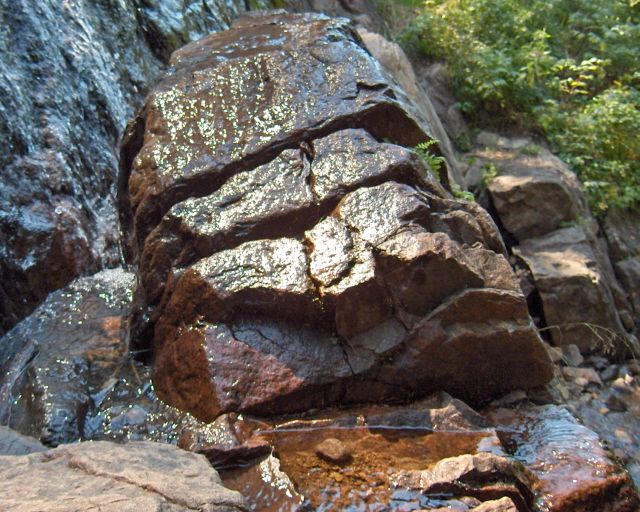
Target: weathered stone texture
point(289, 258)
point(138, 476)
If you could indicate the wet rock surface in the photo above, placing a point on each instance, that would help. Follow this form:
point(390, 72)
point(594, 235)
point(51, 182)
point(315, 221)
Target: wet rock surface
point(274, 231)
point(482, 476)
point(573, 470)
point(140, 476)
point(67, 374)
point(382, 443)
point(72, 74)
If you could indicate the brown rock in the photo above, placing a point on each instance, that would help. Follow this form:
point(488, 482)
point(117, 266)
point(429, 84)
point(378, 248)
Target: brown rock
point(573, 470)
point(484, 476)
point(502, 505)
point(518, 360)
point(286, 242)
point(534, 195)
point(240, 93)
point(334, 451)
point(138, 476)
point(576, 299)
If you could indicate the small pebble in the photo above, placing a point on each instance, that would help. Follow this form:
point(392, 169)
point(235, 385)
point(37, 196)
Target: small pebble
point(571, 355)
point(609, 373)
point(616, 404)
point(333, 450)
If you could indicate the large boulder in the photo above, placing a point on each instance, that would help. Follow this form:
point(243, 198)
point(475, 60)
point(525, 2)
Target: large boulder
point(291, 259)
point(138, 476)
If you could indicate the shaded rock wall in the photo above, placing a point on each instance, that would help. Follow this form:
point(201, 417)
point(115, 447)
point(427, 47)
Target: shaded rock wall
point(292, 253)
point(538, 202)
point(71, 74)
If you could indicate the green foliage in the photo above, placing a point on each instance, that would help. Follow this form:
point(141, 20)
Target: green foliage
point(423, 149)
point(465, 195)
point(566, 68)
point(433, 161)
point(489, 173)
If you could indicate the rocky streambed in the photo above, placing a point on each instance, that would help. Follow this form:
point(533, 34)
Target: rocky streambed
point(308, 313)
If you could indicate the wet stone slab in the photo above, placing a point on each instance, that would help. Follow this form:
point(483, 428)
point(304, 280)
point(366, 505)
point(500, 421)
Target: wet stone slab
point(573, 470)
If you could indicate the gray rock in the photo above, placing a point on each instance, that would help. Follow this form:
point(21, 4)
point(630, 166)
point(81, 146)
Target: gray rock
point(571, 355)
point(13, 443)
point(138, 476)
point(609, 373)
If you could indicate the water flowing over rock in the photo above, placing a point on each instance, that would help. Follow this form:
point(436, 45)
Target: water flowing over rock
point(71, 74)
point(292, 253)
point(573, 470)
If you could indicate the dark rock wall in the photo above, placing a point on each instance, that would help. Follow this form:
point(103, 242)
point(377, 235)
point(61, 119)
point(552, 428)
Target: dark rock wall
point(71, 74)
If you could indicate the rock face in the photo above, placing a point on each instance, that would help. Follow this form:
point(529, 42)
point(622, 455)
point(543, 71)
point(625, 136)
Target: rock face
point(288, 258)
point(138, 476)
point(72, 73)
point(538, 202)
point(623, 240)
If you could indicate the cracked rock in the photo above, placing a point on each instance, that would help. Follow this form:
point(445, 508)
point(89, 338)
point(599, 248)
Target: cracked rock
point(138, 476)
point(290, 259)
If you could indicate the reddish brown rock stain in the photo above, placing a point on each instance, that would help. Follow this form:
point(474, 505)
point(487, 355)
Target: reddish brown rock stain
point(363, 482)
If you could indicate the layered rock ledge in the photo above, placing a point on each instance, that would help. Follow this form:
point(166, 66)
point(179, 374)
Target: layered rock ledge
point(292, 252)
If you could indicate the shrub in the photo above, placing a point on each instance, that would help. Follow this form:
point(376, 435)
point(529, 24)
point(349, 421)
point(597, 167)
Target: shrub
point(566, 68)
